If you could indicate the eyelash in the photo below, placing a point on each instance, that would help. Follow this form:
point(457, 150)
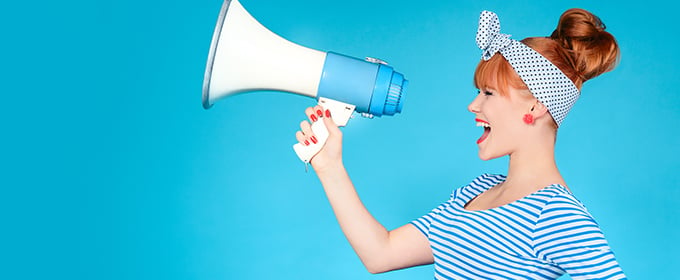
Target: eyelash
point(485, 92)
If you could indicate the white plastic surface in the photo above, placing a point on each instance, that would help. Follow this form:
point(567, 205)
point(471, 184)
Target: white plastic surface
point(250, 57)
point(340, 112)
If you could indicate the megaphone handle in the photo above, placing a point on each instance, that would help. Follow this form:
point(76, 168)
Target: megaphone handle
point(306, 153)
point(341, 113)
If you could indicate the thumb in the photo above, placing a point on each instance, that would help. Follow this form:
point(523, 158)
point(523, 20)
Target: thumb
point(330, 124)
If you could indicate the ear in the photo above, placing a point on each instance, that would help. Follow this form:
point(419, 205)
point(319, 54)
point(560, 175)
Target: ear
point(538, 110)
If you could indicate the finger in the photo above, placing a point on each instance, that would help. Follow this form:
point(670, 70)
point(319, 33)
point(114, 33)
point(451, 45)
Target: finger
point(319, 111)
point(306, 129)
point(330, 124)
point(311, 114)
point(301, 138)
point(308, 132)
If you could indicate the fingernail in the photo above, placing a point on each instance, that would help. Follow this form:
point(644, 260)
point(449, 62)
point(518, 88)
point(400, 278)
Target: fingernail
point(318, 112)
point(313, 138)
point(313, 117)
point(306, 143)
point(328, 114)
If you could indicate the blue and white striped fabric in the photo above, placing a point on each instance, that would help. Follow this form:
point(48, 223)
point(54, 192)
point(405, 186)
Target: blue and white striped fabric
point(541, 236)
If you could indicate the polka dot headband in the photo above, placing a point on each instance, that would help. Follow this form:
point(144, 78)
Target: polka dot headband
point(545, 81)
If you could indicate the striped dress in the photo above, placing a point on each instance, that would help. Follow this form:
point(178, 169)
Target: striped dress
point(540, 236)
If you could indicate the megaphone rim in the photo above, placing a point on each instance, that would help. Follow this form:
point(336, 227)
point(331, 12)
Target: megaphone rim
point(211, 54)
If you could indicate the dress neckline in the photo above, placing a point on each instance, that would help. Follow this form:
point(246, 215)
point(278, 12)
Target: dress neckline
point(499, 178)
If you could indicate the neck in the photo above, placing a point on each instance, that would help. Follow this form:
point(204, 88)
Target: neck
point(533, 167)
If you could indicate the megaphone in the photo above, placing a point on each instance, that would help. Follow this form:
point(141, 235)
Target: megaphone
point(245, 57)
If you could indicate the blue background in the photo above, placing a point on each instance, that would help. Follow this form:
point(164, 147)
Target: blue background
point(111, 169)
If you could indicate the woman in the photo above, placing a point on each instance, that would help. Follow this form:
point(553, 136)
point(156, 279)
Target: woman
point(526, 225)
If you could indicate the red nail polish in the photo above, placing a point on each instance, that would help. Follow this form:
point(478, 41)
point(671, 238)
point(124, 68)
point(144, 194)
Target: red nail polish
point(318, 112)
point(313, 118)
point(306, 143)
point(328, 114)
point(313, 139)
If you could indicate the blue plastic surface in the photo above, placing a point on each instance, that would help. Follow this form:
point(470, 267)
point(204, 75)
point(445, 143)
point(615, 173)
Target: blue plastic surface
point(348, 79)
point(373, 88)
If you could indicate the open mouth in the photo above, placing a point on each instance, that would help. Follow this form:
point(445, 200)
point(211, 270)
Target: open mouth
point(487, 130)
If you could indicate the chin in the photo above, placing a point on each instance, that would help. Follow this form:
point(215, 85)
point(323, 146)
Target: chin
point(488, 156)
point(484, 157)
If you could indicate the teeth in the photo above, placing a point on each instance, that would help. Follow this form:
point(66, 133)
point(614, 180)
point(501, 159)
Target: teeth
point(483, 124)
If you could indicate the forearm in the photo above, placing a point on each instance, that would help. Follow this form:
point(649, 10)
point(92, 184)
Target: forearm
point(367, 236)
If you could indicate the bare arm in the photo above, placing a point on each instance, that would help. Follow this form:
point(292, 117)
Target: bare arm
point(380, 250)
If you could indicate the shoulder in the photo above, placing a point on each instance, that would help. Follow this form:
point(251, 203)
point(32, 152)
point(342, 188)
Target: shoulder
point(566, 234)
point(560, 202)
point(565, 219)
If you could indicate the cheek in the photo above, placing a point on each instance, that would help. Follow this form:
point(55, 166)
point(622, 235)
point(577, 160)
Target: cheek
point(507, 132)
point(512, 129)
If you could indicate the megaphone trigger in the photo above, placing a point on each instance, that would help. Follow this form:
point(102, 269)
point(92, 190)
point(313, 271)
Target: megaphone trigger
point(340, 111)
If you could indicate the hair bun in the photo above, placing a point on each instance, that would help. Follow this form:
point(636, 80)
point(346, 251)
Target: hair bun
point(591, 50)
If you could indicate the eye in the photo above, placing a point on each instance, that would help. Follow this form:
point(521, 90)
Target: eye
point(488, 93)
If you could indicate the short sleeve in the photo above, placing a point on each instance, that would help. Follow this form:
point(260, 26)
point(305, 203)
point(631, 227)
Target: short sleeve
point(423, 223)
point(568, 236)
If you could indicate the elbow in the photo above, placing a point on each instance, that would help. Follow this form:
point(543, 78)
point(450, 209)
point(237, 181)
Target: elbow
point(376, 268)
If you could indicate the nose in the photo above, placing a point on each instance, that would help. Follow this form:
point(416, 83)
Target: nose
point(474, 105)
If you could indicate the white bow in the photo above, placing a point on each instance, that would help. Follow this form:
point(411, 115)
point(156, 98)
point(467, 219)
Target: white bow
point(489, 37)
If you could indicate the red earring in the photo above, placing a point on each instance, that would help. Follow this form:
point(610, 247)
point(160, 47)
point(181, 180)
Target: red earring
point(528, 118)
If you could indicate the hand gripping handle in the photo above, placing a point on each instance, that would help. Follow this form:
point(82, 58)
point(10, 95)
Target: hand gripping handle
point(341, 112)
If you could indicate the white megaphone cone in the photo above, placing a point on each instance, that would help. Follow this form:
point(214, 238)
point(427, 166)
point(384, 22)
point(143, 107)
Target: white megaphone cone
point(245, 56)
